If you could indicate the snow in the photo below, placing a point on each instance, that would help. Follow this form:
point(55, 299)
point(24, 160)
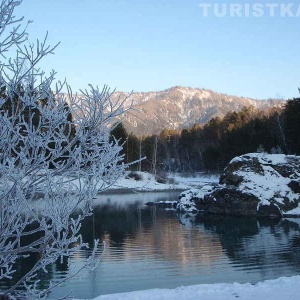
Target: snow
point(266, 185)
point(295, 211)
point(277, 289)
point(187, 203)
point(264, 158)
point(269, 185)
point(195, 180)
point(262, 175)
point(149, 183)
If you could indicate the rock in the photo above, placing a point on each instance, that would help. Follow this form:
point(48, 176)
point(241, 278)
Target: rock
point(192, 201)
point(187, 201)
point(232, 177)
point(271, 210)
point(229, 201)
point(255, 184)
point(295, 186)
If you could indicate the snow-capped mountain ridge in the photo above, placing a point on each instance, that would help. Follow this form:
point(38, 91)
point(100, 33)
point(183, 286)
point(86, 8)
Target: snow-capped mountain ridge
point(181, 107)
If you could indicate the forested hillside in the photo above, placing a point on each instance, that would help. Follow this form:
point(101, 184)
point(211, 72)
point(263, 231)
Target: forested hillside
point(211, 146)
point(180, 107)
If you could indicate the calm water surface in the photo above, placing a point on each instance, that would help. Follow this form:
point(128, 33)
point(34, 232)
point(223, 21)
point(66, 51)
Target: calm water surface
point(152, 248)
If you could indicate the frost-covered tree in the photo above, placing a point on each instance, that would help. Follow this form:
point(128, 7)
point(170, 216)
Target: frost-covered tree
point(56, 153)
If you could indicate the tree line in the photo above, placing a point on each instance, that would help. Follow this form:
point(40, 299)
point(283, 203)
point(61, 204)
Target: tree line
point(211, 146)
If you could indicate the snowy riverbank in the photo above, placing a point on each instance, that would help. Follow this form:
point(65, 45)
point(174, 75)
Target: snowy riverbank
point(278, 289)
point(147, 183)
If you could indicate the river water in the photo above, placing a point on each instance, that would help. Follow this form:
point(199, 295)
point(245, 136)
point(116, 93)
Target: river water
point(147, 247)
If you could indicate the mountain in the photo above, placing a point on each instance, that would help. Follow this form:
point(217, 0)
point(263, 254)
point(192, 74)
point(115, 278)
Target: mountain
point(181, 107)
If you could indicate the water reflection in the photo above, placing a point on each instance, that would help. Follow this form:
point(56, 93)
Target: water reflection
point(149, 232)
point(153, 248)
point(267, 245)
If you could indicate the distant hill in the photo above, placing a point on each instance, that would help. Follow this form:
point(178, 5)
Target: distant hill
point(181, 107)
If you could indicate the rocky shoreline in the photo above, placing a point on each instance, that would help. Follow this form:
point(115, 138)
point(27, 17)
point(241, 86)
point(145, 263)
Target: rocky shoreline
point(254, 184)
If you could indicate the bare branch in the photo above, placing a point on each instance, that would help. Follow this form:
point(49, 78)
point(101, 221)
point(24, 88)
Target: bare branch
point(56, 153)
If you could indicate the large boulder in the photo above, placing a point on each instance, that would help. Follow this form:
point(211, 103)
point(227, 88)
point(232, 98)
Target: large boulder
point(255, 184)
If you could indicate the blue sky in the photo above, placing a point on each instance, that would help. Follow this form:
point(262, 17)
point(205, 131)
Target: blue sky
point(151, 45)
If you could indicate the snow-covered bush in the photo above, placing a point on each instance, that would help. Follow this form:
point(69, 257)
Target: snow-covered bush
point(54, 151)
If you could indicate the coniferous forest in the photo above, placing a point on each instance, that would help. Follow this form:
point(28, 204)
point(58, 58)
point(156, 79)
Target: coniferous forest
point(210, 147)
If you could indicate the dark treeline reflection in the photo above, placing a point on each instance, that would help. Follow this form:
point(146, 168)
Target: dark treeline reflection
point(260, 243)
point(118, 221)
point(247, 242)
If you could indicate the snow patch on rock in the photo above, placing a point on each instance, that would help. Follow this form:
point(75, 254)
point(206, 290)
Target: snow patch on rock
point(253, 180)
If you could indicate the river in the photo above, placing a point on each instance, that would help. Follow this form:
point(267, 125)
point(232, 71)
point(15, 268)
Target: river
point(147, 247)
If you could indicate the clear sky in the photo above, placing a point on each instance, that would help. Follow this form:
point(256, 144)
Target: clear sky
point(151, 45)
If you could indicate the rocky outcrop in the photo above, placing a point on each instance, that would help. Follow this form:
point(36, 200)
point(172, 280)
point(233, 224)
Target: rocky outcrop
point(255, 184)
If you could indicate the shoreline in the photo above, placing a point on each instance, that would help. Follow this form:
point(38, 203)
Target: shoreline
point(275, 289)
point(123, 191)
